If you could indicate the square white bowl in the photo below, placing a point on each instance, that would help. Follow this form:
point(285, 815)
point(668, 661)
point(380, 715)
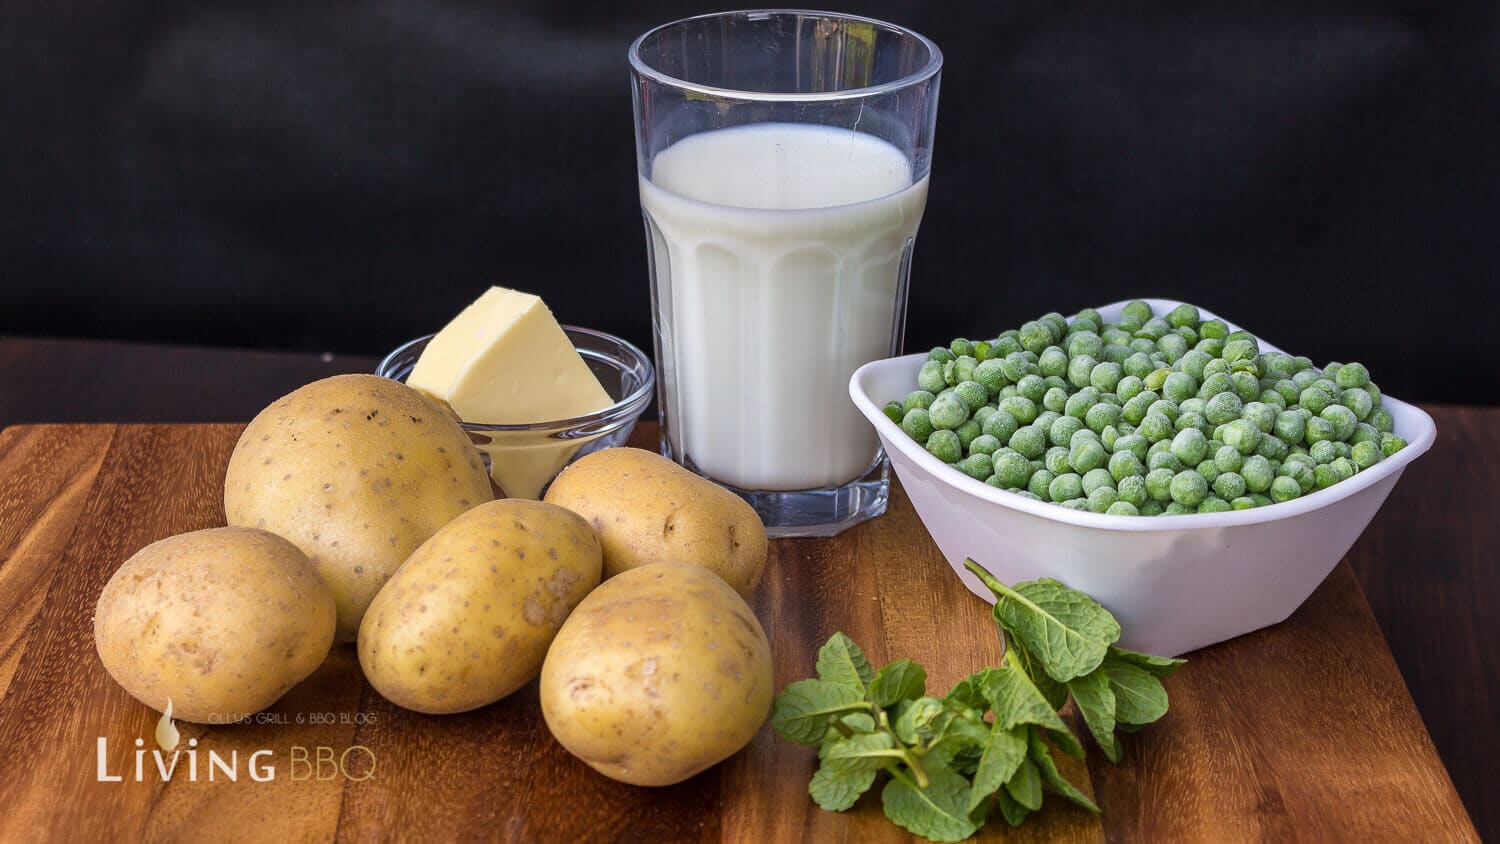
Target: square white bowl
point(1176, 583)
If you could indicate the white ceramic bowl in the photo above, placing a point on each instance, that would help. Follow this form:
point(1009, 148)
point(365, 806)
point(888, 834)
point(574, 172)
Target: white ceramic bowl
point(1175, 583)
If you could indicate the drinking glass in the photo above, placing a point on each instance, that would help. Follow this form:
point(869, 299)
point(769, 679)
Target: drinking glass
point(783, 161)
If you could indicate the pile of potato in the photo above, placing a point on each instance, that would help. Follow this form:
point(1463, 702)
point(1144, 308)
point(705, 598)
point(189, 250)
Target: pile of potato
point(359, 511)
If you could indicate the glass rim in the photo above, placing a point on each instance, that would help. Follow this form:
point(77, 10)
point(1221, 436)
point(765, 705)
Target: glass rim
point(927, 71)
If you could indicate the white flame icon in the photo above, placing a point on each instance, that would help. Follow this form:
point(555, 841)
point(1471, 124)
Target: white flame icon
point(166, 731)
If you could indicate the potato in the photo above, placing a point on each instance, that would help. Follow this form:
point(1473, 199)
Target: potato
point(661, 672)
point(221, 622)
point(647, 509)
point(357, 471)
point(467, 620)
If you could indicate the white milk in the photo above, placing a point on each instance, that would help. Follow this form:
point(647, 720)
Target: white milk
point(779, 250)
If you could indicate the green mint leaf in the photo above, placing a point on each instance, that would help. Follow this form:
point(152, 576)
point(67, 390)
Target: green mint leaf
point(841, 661)
point(1014, 812)
point(958, 742)
point(968, 693)
point(1026, 785)
point(1096, 702)
point(901, 680)
point(861, 753)
point(803, 710)
point(918, 719)
point(1051, 776)
point(1067, 631)
point(1156, 666)
point(1056, 693)
point(1016, 700)
point(836, 790)
point(1003, 756)
point(1139, 697)
point(937, 812)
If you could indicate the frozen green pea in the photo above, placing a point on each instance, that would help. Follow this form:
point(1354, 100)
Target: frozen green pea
point(1208, 469)
point(1101, 416)
point(1192, 363)
point(1006, 344)
point(1275, 365)
point(1214, 504)
point(962, 370)
point(1284, 489)
point(1132, 488)
point(917, 424)
point(1156, 427)
point(1133, 443)
point(1315, 399)
point(1053, 361)
point(973, 394)
point(1000, 426)
point(1085, 343)
point(1030, 441)
point(1390, 444)
point(1343, 420)
point(1055, 399)
point(1190, 446)
point(944, 445)
point(1164, 407)
point(960, 347)
point(983, 351)
point(1229, 485)
point(1129, 387)
point(930, 377)
point(1261, 415)
point(1222, 408)
point(1304, 378)
point(1290, 427)
point(1095, 478)
point(894, 411)
point(1055, 322)
point(1083, 434)
point(977, 466)
point(1012, 469)
point(1159, 484)
point(991, 374)
point(917, 399)
point(1190, 420)
point(1105, 376)
point(1179, 387)
point(1101, 499)
point(1325, 476)
point(1246, 385)
point(1156, 379)
point(1124, 464)
point(1183, 314)
point(1290, 392)
point(948, 411)
point(1172, 347)
point(1138, 364)
point(1016, 366)
point(1272, 448)
point(1212, 346)
point(1032, 387)
point(940, 355)
point(1303, 474)
point(1136, 310)
point(1358, 401)
point(1214, 384)
point(1163, 460)
point(1374, 392)
point(1079, 403)
point(1061, 432)
point(1086, 455)
point(1380, 420)
point(984, 413)
point(1240, 349)
point(1066, 487)
point(1080, 369)
point(1242, 435)
point(1352, 375)
point(1187, 333)
point(1323, 451)
point(1154, 329)
point(1023, 409)
point(1257, 473)
point(1123, 508)
point(1056, 460)
point(1214, 329)
point(967, 433)
point(1175, 509)
point(1228, 459)
point(1045, 419)
point(1142, 344)
point(984, 444)
point(1035, 336)
point(1138, 406)
point(1273, 399)
point(1041, 483)
point(1053, 381)
point(1365, 454)
point(1217, 366)
point(1189, 488)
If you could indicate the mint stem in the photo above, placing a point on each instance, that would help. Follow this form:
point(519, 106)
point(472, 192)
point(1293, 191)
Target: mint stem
point(989, 580)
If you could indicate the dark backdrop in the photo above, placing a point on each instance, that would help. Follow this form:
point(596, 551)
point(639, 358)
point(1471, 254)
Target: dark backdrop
point(345, 175)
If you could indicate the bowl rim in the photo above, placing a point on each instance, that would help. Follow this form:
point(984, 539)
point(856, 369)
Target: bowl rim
point(632, 405)
point(891, 434)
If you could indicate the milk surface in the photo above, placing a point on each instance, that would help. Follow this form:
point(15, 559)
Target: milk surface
point(779, 251)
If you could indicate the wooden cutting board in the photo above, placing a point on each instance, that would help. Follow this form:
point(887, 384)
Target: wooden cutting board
point(1303, 731)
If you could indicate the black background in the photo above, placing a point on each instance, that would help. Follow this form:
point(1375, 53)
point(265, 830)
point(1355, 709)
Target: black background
point(345, 175)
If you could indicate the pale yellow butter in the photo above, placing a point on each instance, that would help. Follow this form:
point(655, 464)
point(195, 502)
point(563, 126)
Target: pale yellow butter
point(505, 361)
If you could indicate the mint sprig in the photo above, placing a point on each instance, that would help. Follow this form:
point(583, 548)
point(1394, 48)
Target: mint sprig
point(988, 743)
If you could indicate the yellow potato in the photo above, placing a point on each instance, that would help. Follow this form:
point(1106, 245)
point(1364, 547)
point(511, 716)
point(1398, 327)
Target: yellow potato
point(221, 621)
point(467, 620)
point(647, 509)
point(357, 471)
point(660, 673)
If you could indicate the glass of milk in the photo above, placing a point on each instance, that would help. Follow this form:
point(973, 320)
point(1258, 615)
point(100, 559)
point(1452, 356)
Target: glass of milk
point(783, 159)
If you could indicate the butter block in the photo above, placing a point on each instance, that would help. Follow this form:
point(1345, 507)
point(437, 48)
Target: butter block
point(505, 361)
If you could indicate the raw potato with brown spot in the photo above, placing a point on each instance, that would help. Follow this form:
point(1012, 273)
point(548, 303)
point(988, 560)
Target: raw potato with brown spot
point(647, 509)
point(660, 673)
point(221, 621)
point(357, 471)
point(467, 620)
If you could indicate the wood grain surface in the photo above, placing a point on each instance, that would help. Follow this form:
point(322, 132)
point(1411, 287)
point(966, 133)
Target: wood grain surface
point(1302, 731)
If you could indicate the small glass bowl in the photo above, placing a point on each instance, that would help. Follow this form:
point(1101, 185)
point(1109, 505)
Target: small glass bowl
point(623, 370)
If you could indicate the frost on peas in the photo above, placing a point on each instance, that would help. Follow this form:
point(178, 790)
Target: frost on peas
point(1036, 336)
point(1056, 460)
point(1228, 458)
point(917, 424)
point(1030, 441)
point(1061, 431)
point(1318, 429)
point(1358, 401)
point(945, 446)
point(1364, 432)
point(940, 354)
point(973, 393)
point(1012, 469)
point(1257, 473)
point(1045, 419)
point(984, 444)
point(967, 433)
point(1215, 384)
point(1212, 345)
point(894, 411)
point(1032, 387)
point(1079, 403)
point(1303, 475)
point(1179, 387)
point(1214, 504)
point(1000, 426)
point(1006, 344)
point(1055, 399)
point(1132, 488)
point(1156, 427)
point(1123, 508)
point(1123, 464)
point(1053, 361)
point(1039, 483)
point(1105, 376)
point(1244, 348)
point(1086, 455)
point(1246, 386)
point(1172, 346)
point(1154, 329)
point(1183, 314)
point(960, 347)
point(1133, 443)
point(1097, 478)
point(1129, 387)
point(1175, 509)
point(1101, 499)
point(930, 377)
point(1163, 407)
point(1242, 435)
point(1229, 486)
point(1023, 409)
point(1271, 398)
point(1284, 489)
point(917, 399)
point(1323, 451)
point(1188, 488)
point(984, 413)
point(1085, 343)
point(1352, 375)
point(1208, 469)
point(1056, 322)
point(977, 466)
point(1164, 460)
point(963, 370)
point(1261, 415)
point(1190, 446)
point(1244, 502)
point(1116, 353)
point(948, 411)
point(1380, 420)
point(1079, 370)
point(1223, 408)
point(1016, 366)
point(1159, 484)
point(1213, 329)
point(1391, 443)
point(1101, 416)
point(991, 374)
point(1066, 487)
point(1365, 454)
point(1138, 364)
point(1137, 311)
